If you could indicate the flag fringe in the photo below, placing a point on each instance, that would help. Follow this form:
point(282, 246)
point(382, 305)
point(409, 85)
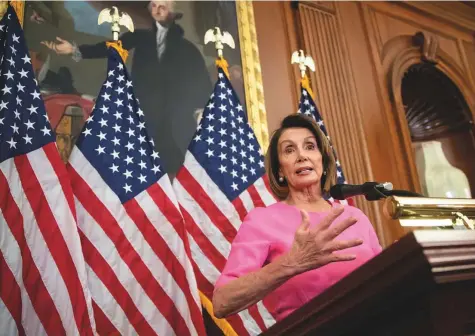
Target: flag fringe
point(223, 64)
point(117, 45)
point(306, 85)
point(221, 323)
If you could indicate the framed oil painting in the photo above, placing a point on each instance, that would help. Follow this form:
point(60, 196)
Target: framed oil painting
point(173, 72)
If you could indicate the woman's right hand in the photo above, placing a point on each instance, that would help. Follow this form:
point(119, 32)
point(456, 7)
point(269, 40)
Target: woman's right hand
point(62, 47)
point(314, 247)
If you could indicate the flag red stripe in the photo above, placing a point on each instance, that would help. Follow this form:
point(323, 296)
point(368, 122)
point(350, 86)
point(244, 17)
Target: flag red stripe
point(239, 205)
point(254, 312)
point(207, 289)
point(106, 274)
point(55, 242)
point(256, 198)
point(142, 274)
point(258, 202)
point(103, 324)
point(265, 178)
point(174, 217)
point(40, 298)
point(161, 248)
point(212, 253)
point(241, 210)
point(208, 204)
point(10, 294)
point(201, 197)
point(60, 170)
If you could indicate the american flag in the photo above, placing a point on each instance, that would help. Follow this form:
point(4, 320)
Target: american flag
point(138, 259)
point(43, 288)
point(221, 180)
point(308, 107)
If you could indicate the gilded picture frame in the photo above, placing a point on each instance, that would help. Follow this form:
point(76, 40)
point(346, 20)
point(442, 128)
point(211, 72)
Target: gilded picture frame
point(253, 87)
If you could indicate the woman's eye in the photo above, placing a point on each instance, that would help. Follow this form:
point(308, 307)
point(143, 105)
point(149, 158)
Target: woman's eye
point(310, 146)
point(289, 150)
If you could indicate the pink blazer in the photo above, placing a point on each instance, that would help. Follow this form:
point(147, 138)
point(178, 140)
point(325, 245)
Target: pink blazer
point(267, 233)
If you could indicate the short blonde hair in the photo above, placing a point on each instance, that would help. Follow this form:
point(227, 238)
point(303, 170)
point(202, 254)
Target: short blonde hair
point(272, 164)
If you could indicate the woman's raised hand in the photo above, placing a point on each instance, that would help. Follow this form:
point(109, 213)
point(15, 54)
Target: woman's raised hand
point(316, 247)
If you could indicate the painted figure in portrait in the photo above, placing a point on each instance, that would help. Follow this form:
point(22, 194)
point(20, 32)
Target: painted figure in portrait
point(172, 70)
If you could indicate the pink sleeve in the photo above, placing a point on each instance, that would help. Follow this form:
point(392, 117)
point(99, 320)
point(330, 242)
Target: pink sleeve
point(373, 241)
point(249, 249)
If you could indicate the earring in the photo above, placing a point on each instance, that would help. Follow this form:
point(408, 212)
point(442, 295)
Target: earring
point(325, 172)
point(281, 179)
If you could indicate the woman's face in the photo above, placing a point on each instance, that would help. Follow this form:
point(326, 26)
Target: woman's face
point(299, 157)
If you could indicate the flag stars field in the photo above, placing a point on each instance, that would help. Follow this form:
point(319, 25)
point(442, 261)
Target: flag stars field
point(44, 279)
point(222, 178)
point(112, 130)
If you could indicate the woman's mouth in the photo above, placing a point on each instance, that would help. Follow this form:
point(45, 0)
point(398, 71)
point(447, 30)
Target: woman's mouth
point(304, 171)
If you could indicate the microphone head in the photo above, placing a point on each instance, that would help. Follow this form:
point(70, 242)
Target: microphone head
point(337, 192)
point(386, 185)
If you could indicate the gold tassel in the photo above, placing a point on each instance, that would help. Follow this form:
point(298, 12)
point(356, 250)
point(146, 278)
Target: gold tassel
point(223, 64)
point(117, 45)
point(306, 85)
point(221, 323)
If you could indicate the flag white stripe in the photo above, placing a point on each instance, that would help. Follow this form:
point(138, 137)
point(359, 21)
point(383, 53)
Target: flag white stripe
point(202, 220)
point(8, 325)
point(249, 323)
point(11, 253)
point(42, 257)
point(169, 234)
point(103, 244)
point(211, 273)
point(54, 194)
point(167, 188)
point(214, 235)
point(207, 268)
point(110, 200)
point(266, 316)
point(247, 200)
point(103, 300)
point(264, 193)
point(216, 195)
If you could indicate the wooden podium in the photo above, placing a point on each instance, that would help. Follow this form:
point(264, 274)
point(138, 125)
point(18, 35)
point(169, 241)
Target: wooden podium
point(424, 284)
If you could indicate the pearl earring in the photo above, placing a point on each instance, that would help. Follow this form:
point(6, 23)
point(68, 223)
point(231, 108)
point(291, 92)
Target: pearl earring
point(281, 179)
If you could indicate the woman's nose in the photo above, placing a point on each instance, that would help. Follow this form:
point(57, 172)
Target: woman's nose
point(301, 157)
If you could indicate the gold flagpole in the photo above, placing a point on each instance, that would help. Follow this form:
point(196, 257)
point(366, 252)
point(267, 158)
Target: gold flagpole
point(116, 19)
point(304, 62)
point(220, 39)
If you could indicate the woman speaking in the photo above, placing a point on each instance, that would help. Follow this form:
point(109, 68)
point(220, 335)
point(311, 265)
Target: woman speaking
point(293, 250)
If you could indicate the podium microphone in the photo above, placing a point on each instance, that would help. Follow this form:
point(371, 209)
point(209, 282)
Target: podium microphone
point(371, 190)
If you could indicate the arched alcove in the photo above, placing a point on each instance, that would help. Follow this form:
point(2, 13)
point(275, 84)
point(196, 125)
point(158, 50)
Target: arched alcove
point(441, 129)
point(418, 70)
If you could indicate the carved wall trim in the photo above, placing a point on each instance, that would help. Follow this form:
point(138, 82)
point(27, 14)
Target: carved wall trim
point(452, 12)
point(403, 171)
point(336, 97)
point(295, 42)
point(405, 52)
point(256, 109)
point(324, 6)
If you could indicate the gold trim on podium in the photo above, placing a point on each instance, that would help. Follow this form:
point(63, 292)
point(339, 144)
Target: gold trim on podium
point(431, 212)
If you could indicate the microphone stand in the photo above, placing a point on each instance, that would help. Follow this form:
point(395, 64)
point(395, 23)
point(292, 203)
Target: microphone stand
point(375, 194)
